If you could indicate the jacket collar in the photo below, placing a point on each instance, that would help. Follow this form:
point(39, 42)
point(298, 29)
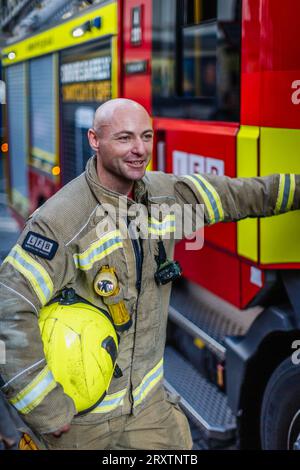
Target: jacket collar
point(105, 195)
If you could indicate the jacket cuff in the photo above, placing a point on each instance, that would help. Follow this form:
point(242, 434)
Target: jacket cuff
point(56, 410)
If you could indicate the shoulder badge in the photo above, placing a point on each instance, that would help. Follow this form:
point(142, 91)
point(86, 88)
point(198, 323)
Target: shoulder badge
point(39, 245)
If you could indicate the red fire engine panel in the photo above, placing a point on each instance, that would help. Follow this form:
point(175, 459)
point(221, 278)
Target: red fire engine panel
point(270, 79)
point(203, 148)
point(137, 52)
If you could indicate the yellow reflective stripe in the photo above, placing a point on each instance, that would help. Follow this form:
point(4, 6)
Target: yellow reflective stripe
point(32, 395)
point(34, 272)
point(210, 196)
point(110, 402)
point(162, 231)
point(153, 220)
point(40, 153)
point(280, 193)
point(167, 225)
point(286, 192)
point(148, 383)
point(99, 242)
point(98, 250)
point(213, 197)
point(211, 217)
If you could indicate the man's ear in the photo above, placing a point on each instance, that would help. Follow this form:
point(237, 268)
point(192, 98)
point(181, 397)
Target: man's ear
point(93, 139)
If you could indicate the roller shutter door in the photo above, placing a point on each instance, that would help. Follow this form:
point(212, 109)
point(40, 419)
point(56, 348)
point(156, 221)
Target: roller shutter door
point(43, 112)
point(18, 132)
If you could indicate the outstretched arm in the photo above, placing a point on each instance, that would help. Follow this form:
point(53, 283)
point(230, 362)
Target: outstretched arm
point(230, 199)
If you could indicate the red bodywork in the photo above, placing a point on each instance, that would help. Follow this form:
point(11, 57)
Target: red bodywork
point(138, 86)
point(270, 64)
point(41, 188)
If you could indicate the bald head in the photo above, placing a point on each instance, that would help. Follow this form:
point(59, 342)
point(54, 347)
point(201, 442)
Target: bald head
point(122, 138)
point(114, 109)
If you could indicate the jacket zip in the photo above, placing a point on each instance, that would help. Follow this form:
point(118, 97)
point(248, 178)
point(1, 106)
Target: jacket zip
point(138, 254)
point(138, 251)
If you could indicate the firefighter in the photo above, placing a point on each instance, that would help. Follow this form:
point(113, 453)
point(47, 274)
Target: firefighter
point(77, 240)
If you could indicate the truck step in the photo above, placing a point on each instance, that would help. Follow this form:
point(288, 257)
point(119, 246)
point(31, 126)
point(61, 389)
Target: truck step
point(203, 403)
point(204, 315)
point(194, 330)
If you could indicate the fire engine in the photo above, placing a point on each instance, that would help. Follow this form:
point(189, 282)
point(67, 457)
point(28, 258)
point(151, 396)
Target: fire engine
point(221, 80)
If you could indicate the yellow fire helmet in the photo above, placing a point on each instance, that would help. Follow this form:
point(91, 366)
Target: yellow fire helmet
point(81, 346)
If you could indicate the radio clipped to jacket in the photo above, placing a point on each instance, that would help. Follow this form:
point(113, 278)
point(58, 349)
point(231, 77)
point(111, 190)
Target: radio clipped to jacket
point(167, 271)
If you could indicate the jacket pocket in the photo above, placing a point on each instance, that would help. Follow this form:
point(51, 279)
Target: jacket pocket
point(80, 436)
point(182, 438)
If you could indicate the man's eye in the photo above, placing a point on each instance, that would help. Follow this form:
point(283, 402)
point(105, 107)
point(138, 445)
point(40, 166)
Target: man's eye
point(148, 136)
point(124, 138)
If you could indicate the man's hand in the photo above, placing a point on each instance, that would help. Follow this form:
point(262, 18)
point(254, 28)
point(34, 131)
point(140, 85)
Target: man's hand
point(7, 442)
point(9, 435)
point(62, 430)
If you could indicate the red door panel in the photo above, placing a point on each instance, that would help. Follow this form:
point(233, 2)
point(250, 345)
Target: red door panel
point(137, 51)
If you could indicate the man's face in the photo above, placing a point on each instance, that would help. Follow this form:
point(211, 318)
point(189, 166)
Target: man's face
point(124, 144)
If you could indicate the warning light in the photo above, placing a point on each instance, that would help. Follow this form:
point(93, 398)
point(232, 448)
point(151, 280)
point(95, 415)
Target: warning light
point(4, 147)
point(83, 28)
point(220, 375)
point(199, 343)
point(78, 32)
point(56, 171)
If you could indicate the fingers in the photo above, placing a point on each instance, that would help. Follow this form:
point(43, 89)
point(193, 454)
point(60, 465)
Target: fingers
point(6, 442)
point(62, 430)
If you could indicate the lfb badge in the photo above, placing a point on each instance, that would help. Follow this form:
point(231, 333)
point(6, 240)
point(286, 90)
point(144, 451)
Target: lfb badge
point(106, 282)
point(105, 286)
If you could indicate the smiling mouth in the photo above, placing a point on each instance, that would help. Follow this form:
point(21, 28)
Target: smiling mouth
point(136, 163)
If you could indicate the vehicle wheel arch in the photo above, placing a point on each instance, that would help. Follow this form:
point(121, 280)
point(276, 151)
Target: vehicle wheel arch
point(272, 351)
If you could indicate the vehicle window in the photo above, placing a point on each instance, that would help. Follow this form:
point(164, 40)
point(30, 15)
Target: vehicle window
point(196, 59)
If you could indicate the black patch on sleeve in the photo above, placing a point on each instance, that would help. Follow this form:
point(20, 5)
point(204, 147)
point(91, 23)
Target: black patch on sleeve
point(39, 245)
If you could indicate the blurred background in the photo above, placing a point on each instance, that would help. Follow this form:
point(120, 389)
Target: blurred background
point(221, 81)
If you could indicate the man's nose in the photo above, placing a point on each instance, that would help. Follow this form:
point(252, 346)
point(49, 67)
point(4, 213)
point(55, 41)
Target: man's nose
point(139, 147)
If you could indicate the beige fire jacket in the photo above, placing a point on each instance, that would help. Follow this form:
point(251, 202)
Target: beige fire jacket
point(65, 243)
